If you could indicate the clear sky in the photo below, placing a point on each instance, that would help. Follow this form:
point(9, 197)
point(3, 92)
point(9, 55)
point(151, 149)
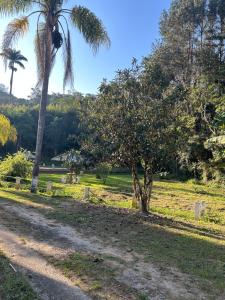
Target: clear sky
point(132, 26)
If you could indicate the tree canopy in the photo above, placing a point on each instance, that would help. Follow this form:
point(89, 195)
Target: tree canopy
point(7, 130)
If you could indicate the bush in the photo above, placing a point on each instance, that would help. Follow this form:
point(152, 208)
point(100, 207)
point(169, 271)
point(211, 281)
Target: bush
point(102, 171)
point(16, 165)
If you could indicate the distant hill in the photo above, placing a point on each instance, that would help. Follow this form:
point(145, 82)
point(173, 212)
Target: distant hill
point(5, 99)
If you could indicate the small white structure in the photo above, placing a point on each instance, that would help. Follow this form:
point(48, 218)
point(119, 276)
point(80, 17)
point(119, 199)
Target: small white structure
point(49, 186)
point(18, 181)
point(64, 157)
point(63, 179)
point(199, 209)
point(30, 155)
point(86, 193)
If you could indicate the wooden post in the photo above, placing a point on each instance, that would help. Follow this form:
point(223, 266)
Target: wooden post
point(18, 180)
point(86, 193)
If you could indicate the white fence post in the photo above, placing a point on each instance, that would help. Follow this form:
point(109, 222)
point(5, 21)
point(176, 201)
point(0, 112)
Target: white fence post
point(63, 179)
point(86, 193)
point(49, 187)
point(18, 181)
point(197, 210)
point(200, 209)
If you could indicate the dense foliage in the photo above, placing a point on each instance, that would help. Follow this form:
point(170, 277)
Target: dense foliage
point(63, 124)
point(16, 165)
point(7, 131)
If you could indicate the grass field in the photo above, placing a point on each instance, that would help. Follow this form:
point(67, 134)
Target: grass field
point(170, 198)
point(170, 236)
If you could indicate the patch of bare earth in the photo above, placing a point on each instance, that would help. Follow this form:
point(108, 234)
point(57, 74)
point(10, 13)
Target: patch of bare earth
point(30, 241)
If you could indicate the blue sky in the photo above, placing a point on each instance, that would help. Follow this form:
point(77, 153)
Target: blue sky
point(133, 25)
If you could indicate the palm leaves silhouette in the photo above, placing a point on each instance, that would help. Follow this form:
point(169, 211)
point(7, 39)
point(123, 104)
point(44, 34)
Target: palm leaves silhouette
point(13, 57)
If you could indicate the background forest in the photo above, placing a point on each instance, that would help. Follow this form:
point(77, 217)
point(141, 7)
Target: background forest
point(184, 75)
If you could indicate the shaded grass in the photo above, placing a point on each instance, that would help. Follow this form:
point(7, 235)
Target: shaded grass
point(13, 286)
point(93, 276)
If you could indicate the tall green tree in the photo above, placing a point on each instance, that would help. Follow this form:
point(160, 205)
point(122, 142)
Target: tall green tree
point(131, 121)
point(13, 57)
point(51, 34)
point(192, 45)
point(192, 55)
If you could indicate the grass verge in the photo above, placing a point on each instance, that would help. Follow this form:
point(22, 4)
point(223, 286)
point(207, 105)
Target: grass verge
point(13, 285)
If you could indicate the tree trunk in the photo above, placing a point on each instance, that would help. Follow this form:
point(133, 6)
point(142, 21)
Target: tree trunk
point(144, 204)
point(143, 191)
point(11, 82)
point(42, 111)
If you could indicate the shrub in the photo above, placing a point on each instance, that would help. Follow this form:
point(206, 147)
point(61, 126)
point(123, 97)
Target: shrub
point(102, 171)
point(16, 165)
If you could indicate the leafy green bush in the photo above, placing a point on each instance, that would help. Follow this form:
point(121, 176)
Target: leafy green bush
point(102, 171)
point(16, 165)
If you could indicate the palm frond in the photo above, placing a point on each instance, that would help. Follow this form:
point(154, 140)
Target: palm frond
point(11, 7)
point(68, 65)
point(12, 56)
point(39, 51)
point(20, 64)
point(6, 56)
point(42, 42)
point(15, 29)
point(90, 26)
point(21, 57)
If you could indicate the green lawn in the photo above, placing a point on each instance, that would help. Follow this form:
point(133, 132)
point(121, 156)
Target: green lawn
point(170, 198)
point(170, 236)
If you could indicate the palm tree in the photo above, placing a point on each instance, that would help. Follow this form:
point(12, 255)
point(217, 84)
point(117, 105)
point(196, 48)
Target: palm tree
point(14, 57)
point(52, 32)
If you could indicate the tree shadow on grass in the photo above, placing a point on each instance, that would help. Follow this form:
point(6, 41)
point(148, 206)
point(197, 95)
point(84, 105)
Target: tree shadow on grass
point(18, 285)
point(152, 218)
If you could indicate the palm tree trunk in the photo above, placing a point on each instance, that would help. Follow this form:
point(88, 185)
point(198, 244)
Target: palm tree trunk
point(42, 112)
point(11, 82)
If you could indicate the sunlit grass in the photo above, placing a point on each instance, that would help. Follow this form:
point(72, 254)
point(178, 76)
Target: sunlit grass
point(170, 198)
